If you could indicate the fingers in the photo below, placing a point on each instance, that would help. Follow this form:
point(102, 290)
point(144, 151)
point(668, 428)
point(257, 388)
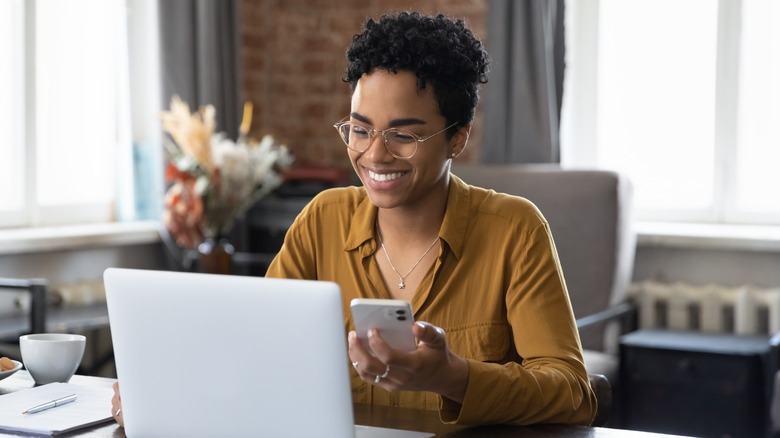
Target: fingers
point(379, 347)
point(430, 367)
point(119, 417)
point(116, 400)
point(357, 353)
point(378, 378)
point(430, 335)
point(370, 367)
point(116, 406)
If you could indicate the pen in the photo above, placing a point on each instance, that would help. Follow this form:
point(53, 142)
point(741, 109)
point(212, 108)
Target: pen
point(51, 404)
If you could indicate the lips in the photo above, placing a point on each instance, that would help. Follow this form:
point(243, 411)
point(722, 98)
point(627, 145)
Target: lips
point(384, 177)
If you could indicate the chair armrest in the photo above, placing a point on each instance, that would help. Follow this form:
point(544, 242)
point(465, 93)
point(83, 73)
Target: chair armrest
point(625, 312)
point(37, 289)
point(603, 390)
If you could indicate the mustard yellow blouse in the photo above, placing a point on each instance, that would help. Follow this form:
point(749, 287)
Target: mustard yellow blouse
point(496, 288)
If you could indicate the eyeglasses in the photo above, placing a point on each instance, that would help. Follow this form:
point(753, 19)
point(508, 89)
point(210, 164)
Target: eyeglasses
point(401, 144)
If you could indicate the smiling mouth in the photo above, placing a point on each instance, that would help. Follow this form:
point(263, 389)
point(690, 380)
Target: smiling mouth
point(384, 177)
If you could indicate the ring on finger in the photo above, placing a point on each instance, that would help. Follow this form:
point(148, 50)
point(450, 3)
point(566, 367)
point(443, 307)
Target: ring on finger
point(118, 411)
point(383, 375)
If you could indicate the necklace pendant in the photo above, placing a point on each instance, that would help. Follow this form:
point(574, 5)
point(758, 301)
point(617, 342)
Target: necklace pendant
point(401, 285)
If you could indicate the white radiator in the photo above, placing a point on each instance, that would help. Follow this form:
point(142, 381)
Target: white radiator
point(742, 309)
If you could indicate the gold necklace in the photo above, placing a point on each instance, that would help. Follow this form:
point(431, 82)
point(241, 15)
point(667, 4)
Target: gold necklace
point(402, 278)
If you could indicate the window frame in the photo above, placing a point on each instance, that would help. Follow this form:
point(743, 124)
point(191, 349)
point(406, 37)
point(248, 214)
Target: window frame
point(579, 121)
point(31, 213)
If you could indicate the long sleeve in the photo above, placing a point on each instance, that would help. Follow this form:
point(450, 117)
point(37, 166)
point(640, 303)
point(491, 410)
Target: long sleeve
point(544, 379)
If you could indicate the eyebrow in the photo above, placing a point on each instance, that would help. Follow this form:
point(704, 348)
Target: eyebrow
point(393, 123)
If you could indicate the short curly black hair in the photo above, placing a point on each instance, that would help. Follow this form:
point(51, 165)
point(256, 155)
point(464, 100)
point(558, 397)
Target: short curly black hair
point(438, 50)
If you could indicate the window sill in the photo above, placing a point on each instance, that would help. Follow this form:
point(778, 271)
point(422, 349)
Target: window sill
point(33, 240)
point(759, 238)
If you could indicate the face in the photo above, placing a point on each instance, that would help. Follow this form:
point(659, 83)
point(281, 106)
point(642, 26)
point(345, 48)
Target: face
point(383, 100)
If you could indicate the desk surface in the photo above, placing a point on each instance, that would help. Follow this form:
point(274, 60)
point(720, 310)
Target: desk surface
point(382, 416)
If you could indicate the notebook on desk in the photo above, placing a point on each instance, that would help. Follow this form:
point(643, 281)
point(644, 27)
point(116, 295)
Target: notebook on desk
point(212, 355)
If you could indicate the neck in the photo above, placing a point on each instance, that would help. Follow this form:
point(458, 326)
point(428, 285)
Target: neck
point(422, 220)
point(396, 226)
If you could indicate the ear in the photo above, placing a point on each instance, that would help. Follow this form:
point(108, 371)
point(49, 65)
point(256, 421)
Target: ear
point(459, 141)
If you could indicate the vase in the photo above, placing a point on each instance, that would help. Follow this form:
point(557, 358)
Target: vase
point(215, 255)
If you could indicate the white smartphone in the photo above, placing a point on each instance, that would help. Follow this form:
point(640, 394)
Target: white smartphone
point(393, 319)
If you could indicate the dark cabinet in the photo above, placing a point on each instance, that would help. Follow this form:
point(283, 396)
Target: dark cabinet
point(692, 383)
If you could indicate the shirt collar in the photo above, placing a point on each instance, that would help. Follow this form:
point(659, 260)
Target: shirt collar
point(456, 215)
point(362, 229)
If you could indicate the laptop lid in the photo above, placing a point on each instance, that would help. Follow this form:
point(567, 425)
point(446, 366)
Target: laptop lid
point(213, 355)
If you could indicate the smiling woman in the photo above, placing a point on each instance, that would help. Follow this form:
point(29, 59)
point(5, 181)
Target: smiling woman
point(67, 114)
point(416, 232)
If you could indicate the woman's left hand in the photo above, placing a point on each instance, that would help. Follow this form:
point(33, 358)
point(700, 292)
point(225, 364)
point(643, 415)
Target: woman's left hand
point(116, 406)
point(430, 367)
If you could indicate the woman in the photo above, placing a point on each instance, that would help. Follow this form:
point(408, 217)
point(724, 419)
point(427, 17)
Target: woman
point(499, 342)
point(478, 266)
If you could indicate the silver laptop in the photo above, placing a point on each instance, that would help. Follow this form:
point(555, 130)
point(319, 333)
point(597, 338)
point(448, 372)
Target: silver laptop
point(213, 355)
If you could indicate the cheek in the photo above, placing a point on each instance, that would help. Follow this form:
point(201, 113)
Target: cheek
point(353, 157)
point(434, 163)
point(434, 154)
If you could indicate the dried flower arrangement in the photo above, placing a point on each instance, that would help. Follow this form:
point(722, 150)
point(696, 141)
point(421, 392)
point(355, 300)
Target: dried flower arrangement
point(214, 180)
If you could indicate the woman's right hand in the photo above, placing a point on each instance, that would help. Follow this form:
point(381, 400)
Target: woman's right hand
point(116, 406)
point(431, 367)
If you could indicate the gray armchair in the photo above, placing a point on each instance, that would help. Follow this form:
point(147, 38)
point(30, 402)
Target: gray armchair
point(589, 212)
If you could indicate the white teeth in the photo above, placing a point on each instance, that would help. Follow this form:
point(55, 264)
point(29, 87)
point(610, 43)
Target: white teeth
point(382, 177)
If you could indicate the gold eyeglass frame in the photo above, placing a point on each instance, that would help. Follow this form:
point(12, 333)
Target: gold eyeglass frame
point(373, 132)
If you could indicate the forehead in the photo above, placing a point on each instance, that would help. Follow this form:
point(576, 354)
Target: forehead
point(382, 95)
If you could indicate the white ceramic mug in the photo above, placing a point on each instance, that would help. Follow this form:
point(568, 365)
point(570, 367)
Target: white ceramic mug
point(52, 357)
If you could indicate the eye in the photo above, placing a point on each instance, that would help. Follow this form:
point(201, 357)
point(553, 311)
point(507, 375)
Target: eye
point(359, 131)
point(401, 137)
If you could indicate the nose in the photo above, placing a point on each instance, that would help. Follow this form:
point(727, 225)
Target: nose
point(378, 153)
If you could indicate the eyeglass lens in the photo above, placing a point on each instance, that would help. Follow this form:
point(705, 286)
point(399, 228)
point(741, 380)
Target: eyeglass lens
point(401, 144)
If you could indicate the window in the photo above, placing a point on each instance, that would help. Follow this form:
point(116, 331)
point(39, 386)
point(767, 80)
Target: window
point(11, 111)
point(64, 112)
point(684, 97)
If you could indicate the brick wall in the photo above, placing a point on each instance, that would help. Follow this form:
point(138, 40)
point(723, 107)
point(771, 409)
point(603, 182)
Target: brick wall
point(293, 61)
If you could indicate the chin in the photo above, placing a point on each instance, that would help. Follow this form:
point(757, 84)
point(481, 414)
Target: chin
point(382, 200)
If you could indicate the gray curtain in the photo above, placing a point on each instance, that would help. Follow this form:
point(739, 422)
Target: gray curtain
point(199, 50)
point(524, 94)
